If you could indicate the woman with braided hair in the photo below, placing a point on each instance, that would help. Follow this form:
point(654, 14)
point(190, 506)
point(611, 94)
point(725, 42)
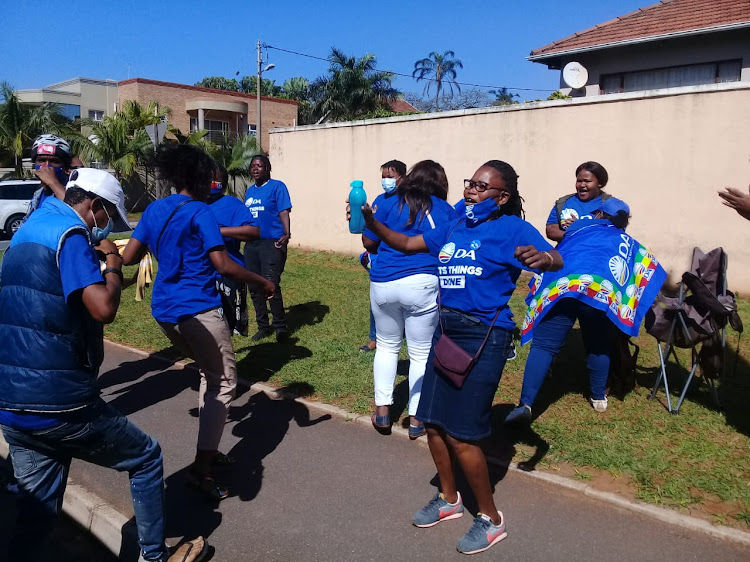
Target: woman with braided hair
point(480, 257)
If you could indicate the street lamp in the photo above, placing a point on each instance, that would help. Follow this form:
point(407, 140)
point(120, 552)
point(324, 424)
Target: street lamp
point(261, 70)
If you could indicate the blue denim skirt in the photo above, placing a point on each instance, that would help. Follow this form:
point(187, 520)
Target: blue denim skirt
point(465, 413)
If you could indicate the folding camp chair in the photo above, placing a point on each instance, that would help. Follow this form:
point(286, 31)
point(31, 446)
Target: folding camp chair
point(698, 316)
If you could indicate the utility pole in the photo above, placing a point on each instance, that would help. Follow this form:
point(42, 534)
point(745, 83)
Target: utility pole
point(261, 70)
point(260, 74)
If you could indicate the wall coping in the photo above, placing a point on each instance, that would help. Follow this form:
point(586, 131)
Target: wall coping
point(608, 98)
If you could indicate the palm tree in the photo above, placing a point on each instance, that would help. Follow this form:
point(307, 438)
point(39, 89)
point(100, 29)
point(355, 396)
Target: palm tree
point(354, 87)
point(438, 69)
point(503, 97)
point(21, 123)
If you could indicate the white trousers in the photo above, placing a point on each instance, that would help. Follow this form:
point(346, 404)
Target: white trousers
point(407, 305)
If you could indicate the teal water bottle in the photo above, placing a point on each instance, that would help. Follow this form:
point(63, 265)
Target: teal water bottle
point(357, 198)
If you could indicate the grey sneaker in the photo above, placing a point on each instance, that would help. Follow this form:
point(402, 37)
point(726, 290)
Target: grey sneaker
point(438, 510)
point(482, 535)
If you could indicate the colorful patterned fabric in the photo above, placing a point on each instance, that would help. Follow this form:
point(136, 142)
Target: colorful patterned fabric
point(605, 268)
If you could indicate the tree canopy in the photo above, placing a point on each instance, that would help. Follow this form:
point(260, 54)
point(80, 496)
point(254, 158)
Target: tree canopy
point(439, 70)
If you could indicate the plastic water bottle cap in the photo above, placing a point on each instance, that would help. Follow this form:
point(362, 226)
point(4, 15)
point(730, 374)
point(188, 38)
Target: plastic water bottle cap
point(356, 183)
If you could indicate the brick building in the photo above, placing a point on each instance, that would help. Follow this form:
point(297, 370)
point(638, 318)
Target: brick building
point(216, 111)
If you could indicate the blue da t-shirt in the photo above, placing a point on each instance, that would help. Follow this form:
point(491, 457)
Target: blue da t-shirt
point(392, 264)
point(185, 281)
point(381, 199)
point(265, 202)
point(575, 208)
point(230, 212)
point(477, 270)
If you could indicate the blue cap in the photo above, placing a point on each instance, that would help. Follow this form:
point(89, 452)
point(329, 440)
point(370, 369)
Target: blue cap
point(356, 183)
point(612, 206)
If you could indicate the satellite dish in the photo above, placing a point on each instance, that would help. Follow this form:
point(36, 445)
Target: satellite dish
point(575, 75)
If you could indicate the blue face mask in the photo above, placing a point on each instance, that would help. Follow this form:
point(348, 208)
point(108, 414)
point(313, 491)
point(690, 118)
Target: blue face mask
point(480, 212)
point(389, 184)
point(99, 234)
point(62, 177)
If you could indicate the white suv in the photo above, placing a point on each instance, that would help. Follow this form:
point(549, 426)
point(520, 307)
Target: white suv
point(15, 196)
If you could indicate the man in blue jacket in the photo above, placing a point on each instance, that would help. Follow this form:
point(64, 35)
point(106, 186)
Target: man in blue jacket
point(53, 305)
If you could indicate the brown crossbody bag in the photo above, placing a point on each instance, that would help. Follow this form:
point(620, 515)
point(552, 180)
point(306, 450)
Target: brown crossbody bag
point(450, 359)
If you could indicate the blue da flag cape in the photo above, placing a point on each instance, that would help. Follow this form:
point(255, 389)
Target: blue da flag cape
point(606, 269)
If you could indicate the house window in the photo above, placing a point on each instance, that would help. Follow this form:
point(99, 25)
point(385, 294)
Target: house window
point(671, 77)
point(252, 129)
point(96, 114)
point(217, 130)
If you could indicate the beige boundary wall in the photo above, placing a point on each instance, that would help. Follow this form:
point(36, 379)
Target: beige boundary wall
point(667, 153)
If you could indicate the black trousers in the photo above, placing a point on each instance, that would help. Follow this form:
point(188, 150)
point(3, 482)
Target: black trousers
point(265, 259)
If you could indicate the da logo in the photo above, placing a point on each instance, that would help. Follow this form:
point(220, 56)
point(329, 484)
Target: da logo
point(563, 284)
point(619, 269)
point(446, 252)
point(475, 244)
point(638, 269)
point(568, 214)
point(583, 282)
point(537, 282)
point(631, 291)
point(627, 313)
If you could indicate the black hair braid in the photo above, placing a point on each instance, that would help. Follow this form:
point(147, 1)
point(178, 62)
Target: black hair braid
point(514, 205)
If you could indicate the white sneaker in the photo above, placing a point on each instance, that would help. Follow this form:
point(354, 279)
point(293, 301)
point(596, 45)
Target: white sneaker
point(599, 405)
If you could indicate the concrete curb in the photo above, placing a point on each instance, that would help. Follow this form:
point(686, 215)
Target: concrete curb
point(106, 523)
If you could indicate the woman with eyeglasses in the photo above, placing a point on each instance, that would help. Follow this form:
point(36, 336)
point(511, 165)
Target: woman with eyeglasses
point(480, 258)
point(403, 288)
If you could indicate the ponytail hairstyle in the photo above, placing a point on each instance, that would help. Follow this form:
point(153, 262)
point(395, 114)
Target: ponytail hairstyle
point(514, 205)
point(426, 178)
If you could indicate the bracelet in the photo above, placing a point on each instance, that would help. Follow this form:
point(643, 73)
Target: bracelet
point(551, 259)
point(115, 253)
point(116, 270)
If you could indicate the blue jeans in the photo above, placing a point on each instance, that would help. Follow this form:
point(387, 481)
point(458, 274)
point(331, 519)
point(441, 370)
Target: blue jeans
point(102, 436)
point(550, 336)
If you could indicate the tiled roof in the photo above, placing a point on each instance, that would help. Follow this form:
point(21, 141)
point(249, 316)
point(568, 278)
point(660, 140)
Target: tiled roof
point(665, 17)
point(402, 106)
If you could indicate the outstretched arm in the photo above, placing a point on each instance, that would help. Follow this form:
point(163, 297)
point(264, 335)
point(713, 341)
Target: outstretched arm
point(737, 200)
point(243, 233)
point(227, 267)
point(401, 242)
point(532, 258)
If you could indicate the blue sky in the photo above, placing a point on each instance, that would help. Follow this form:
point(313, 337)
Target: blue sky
point(186, 41)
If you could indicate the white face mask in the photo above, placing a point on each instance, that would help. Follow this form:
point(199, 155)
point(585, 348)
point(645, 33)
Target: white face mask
point(389, 184)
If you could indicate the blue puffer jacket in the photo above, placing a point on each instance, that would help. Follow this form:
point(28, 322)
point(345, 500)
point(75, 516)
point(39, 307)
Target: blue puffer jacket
point(51, 350)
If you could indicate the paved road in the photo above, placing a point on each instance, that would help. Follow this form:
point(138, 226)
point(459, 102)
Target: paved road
point(311, 487)
point(4, 245)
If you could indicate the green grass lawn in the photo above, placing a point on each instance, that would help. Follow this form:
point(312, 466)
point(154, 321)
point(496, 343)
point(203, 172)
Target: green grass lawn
point(697, 461)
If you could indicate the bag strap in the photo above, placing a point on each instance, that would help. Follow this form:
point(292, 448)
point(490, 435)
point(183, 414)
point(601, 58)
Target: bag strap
point(163, 228)
point(440, 308)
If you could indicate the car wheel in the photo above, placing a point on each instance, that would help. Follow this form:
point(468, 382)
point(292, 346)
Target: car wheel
point(13, 224)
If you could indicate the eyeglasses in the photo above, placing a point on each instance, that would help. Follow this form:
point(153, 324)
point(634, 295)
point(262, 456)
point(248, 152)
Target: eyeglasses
point(479, 186)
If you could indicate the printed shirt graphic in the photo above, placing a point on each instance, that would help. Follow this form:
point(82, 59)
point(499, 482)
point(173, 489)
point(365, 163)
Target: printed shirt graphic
point(575, 208)
point(606, 269)
point(185, 283)
point(477, 270)
point(230, 211)
point(392, 264)
point(265, 202)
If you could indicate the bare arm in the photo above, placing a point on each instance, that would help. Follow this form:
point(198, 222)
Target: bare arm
point(554, 232)
point(227, 267)
point(102, 301)
point(286, 225)
point(133, 252)
point(401, 242)
point(370, 245)
point(243, 233)
point(532, 258)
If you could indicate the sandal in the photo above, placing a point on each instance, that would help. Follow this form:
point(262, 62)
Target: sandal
point(382, 424)
point(220, 459)
point(416, 431)
point(206, 485)
point(190, 551)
